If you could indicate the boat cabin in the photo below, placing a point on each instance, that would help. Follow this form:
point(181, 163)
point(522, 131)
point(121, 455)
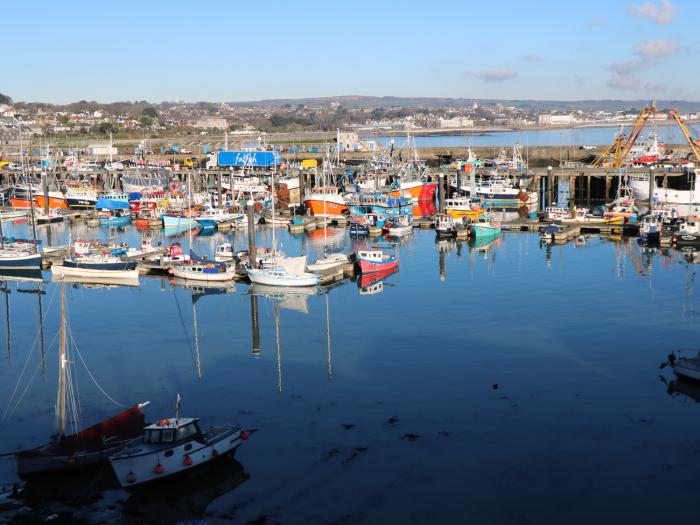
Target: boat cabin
point(171, 430)
point(372, 256)
point(463, 203)
point(224, 250)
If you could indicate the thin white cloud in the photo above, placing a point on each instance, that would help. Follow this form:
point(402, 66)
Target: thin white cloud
point(652, 49)
point(532, 57)
point(625, 81)
point(496, 75)
point(625, 75)
point(597, 22)
point(661, 13)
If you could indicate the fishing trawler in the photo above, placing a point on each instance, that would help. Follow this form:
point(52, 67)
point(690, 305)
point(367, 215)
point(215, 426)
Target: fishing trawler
point(326, 201)
point(459, 207)
point(484, 227)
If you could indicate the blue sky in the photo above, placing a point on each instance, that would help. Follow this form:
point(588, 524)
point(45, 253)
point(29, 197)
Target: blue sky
point(234, 51)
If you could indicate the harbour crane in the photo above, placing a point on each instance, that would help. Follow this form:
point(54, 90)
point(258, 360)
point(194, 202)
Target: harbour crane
point(615, 155)
point(694, 144)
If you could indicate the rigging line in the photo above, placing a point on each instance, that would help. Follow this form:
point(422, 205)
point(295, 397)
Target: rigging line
point(26, 364)
point(99, 387)
point(182, 322)
point(21, 397)
point(73, 379)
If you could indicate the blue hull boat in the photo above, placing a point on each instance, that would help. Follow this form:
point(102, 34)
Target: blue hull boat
point(115, 221)
point(172, 221)
point(19, 260)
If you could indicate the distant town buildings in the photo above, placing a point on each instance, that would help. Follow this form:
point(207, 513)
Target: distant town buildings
point(456, 122)
point(211, 123)
point(555, 120)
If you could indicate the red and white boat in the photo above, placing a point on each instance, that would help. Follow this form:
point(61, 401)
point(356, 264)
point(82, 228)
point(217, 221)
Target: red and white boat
point(376, 261)
point(647, 151)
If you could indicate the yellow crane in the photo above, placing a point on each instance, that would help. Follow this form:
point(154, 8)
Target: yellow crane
point(615, 155)
point(694, 144)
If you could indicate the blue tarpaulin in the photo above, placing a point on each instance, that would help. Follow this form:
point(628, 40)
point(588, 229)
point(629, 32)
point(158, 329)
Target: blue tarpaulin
point(110, 204)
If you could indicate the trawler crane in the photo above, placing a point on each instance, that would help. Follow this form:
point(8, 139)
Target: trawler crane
point(694, 144)
point(615, 155)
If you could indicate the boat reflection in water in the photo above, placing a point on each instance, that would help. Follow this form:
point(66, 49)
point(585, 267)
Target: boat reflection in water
point(287, 297)
point(92, 281)
point(373, 283)
point(177, 500)
point(198, 291)
point(683, 386)
point(187, 496)
point(33, 276)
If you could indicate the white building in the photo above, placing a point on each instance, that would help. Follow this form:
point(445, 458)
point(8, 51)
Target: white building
point(211, 123)
point(350, 141)
point(456, 122)
point(101, 149)
point(555, 119)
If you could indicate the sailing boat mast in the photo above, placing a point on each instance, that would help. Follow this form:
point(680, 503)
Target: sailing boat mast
point(197, 362)
point(6, 290)
point(274, 168)
point(324, 190)
point(328, 335)
point(277, 340)
point(62, 362)
point(41, 335)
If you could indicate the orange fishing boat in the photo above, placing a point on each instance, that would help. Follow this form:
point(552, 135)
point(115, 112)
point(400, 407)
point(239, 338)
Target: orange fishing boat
point(39, 202)
point(416, 190)
point(325, 202)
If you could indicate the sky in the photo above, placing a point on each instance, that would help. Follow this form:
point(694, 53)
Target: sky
point(159, 50)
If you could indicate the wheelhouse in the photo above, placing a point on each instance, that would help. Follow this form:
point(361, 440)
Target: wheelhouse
point(172, 431)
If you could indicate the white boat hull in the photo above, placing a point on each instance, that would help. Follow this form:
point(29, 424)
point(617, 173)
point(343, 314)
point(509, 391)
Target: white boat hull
point(133, 470)
point(686, 198)
point(87, 273)
point(687, 368)
point(263, 277)
point(399, 231)
point(329, 262)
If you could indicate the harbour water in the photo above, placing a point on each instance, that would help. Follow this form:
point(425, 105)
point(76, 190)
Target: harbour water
point(595, 136)
point(519, 384)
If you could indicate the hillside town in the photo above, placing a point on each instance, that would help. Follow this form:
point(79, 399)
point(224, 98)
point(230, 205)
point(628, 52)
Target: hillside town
point(132, 118)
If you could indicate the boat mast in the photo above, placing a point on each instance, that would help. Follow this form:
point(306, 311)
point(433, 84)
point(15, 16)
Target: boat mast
point(189, 206)
point(197, 362)
point(274, 168)
point(277, 340)
point(8, 338)
point(41, 334)
point(325, 211)
point(328, 335)
point(62, 362)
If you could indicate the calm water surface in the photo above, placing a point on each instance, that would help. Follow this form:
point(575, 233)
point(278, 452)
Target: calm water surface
point(518, 385)
point(549, 137)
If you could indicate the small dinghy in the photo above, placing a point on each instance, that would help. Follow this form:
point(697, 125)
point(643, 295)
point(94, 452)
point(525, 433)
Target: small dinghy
point(172, 446)
point(688, 367)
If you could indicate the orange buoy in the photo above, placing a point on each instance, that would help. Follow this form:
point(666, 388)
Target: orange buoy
point(159, 469)
point(187, 461)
